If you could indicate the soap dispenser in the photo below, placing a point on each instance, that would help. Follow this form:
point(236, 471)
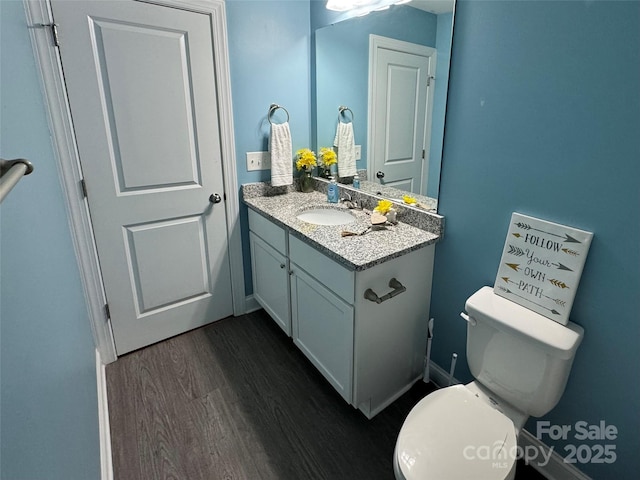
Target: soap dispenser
point(332, 191)
point(356, 181)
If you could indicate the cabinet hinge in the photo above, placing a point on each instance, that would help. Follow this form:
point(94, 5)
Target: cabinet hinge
point(430, 78)
point(107, 312)
point(54, 32)
point(83, 188)
point(423, 153)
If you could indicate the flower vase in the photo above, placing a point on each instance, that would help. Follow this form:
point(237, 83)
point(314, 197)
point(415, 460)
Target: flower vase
point(306, 182)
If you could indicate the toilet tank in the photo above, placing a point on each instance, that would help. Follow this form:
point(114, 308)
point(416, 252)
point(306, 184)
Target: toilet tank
point(521, 356)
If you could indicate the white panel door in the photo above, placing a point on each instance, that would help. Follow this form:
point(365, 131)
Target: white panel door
point(141, 86)
point(400, 115)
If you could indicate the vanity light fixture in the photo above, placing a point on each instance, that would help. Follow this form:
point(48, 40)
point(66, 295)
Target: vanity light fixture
point(362, 7)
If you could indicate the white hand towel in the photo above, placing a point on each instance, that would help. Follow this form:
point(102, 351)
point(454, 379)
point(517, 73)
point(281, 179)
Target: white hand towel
point(281, 154)
point(346, 150)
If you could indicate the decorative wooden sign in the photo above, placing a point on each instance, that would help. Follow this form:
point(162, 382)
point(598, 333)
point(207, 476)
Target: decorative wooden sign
point(541, 266)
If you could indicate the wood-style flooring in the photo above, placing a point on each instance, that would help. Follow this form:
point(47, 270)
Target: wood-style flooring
point(237, 400)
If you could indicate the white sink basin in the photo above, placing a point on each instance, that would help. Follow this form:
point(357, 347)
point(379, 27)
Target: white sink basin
point(326, 216)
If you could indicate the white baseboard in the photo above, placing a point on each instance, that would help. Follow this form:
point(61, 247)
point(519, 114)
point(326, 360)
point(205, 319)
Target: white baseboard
point(251, 304)
point(555, 469)
point(439, 376)
point(106, 464)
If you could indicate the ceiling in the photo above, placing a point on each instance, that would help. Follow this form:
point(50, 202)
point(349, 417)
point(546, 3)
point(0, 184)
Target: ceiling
point(433, 6)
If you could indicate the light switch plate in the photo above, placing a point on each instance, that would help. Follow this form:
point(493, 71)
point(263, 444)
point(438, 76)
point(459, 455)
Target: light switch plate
point(358, 152)
point(258, 161)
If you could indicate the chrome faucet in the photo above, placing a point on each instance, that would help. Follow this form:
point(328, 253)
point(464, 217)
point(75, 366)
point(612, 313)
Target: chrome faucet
point(350, 203)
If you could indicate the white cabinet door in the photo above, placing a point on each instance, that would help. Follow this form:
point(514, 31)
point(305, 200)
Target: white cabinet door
point(323, 330)
point(271, 281)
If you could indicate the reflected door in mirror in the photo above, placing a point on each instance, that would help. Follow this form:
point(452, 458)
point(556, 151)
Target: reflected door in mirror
point(401, 100)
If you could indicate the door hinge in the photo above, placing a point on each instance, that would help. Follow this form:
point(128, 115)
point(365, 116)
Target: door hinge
point(54, 32)
point(107, 312)
point(83, 188)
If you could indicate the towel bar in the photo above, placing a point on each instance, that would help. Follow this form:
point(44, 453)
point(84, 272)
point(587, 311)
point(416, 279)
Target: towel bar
point(11, 171)
point(342, 109)
point(398, 288)
point(273, 108)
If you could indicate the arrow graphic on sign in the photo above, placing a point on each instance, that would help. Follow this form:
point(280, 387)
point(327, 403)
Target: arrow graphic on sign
point(557, 301)
point(570, 239)
point(517, 251)
point(513, 265)
point(558, 283)
point(565, 238)
point(562, 267)
point(506, 279)
point(528, 300)
point(568, 251)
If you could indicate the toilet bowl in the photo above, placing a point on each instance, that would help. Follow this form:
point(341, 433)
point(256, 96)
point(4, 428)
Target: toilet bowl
point(453, 434)
point(521, 362)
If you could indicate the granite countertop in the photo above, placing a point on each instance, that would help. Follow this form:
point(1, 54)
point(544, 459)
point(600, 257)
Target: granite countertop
point(354, 252)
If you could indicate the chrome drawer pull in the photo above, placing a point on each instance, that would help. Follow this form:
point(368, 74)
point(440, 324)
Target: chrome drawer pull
point(398, 288)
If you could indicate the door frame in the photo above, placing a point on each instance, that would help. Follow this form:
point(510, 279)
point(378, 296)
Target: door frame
point(48, 63)
point(377, 42)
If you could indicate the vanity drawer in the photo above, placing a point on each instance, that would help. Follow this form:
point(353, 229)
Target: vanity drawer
point(327, 271)
point(268, 231)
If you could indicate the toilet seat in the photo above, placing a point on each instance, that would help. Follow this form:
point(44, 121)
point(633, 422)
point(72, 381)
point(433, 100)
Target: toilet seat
point(453, 435)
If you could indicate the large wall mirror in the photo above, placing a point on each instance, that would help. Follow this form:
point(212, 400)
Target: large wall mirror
point(390, 69)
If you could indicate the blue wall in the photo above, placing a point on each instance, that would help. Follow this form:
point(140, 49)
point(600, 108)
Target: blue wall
point(543, 118)
point(269, 56)
point(49, 412)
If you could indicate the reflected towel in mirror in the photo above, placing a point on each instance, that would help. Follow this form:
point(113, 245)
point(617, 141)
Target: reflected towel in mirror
point(346, 150)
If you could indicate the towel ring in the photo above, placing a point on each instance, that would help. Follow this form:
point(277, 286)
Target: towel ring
point(342, 109)
point(273, 108)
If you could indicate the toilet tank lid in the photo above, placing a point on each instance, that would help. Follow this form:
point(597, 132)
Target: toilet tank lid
point(506, 315)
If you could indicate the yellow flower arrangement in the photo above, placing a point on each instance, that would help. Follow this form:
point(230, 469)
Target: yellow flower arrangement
point(409, 200)
point(328, 157)
point(306, 159)
point(383, 207)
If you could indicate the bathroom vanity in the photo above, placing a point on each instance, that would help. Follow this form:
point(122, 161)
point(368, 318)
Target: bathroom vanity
point(356, 306)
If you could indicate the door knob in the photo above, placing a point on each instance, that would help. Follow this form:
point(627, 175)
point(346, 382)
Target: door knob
point(215, 198)
point(380, 174)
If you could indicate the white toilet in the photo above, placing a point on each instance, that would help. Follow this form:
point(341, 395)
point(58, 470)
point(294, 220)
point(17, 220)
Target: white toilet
point(521, 362)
